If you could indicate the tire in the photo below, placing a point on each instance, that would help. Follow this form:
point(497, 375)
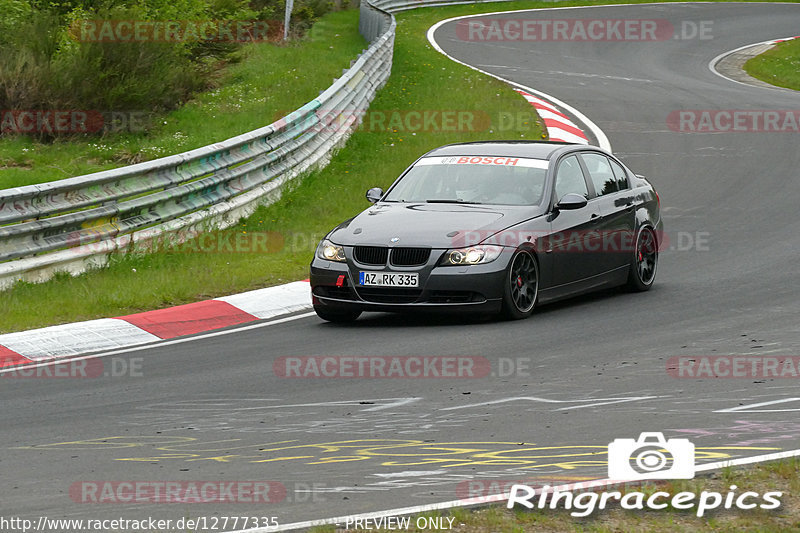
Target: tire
point(644, 262)
point(520, 286)
point(336, 315)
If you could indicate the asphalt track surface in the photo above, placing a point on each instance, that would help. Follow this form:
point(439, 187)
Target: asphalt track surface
point(208, 409)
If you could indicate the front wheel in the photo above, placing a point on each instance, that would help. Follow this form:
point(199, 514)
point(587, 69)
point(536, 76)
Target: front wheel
point(336, 315)
point(520, 286)
point(644, 262)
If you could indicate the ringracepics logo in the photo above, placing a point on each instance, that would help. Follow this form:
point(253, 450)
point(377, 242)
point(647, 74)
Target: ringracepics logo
point(581, 30)
point(585, 503)
point(649, 457)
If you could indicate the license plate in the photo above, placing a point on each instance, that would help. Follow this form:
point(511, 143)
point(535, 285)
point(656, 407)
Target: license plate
point(388, 279)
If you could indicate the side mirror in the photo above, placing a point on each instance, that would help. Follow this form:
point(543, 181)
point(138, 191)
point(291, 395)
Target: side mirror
point(374, 194)
point(572, 201)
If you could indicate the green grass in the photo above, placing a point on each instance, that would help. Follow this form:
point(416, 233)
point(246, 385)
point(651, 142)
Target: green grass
point(422, 79)
point(269, 81)
point(775, 476)
point(779, 66)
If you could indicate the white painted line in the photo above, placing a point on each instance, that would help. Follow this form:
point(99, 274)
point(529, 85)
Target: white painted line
point(377, 514)
point(609, 402)
point(747, 460)
point(411, 473)
point(587, 402)
point(712, 65)
point(504, 496)
point(750, 408)
point(74, 339)
point(158, 344)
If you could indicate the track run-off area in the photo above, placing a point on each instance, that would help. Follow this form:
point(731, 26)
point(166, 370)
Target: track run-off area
point(551, 391)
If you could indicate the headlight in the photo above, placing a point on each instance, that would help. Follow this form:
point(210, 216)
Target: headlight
point(474, 255)
point(330, 252)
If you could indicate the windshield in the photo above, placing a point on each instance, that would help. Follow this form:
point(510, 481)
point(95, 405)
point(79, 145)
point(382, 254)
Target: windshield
point(472, 179)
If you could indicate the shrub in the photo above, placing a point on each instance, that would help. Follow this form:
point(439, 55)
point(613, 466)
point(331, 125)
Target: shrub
point(46, 66)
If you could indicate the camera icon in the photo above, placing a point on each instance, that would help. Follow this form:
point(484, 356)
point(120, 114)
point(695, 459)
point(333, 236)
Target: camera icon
point(651, 457)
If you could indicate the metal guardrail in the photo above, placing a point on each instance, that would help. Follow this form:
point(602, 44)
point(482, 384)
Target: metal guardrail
point(73, 224)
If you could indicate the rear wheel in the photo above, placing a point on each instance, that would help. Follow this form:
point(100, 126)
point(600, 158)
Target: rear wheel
point(336, 315)
point(644, 262)
point(521, 286)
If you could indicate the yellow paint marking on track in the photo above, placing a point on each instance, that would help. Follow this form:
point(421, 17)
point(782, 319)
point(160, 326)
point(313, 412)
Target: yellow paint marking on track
point(384, 452)
point(283, 459)
point(103, 443)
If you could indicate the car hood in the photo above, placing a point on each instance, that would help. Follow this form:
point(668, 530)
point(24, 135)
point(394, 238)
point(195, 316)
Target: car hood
point(434, 225)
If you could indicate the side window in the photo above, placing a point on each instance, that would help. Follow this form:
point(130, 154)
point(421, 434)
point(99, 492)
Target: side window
point(569, 178)
point(619, 173)
point(601, 174)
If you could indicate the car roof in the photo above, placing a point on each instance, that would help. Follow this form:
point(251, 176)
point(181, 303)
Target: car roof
point(533, 149)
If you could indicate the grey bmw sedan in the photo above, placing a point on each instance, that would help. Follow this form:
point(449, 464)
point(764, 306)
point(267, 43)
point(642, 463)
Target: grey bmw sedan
point(492, 227)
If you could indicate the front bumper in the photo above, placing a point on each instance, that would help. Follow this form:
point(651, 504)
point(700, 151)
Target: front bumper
point(474, 288)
